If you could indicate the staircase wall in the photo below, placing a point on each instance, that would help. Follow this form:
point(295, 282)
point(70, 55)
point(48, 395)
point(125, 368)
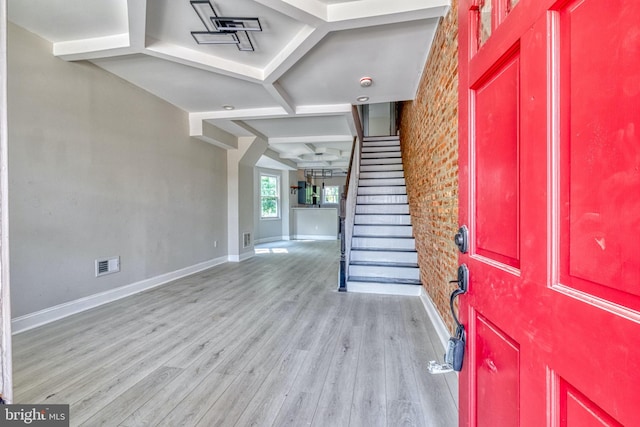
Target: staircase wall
point(429, 141)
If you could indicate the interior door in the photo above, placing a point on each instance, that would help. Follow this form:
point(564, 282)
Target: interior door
point(550, 190)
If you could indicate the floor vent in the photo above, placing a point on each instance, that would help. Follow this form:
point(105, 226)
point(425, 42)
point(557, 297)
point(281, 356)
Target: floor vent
point(246, 240)
point(107, 266)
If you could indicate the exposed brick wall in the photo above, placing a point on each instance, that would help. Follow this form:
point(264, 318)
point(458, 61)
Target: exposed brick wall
point(429, 140)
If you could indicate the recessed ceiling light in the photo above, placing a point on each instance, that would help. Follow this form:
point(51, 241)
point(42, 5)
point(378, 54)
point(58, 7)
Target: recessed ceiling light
point(366, 81)
point(362, 98)
point(228, 107)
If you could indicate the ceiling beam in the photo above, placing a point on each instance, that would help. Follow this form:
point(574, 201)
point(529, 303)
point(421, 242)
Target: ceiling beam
point(111, 45)
point(246, 114)
point(413, 9)
point(323, 110)
point(137, 16)
point(278, 93)
point(251, 130)
point(305, 40)
point(96, 47)
point(193, 58)
point(280, 163)
point(312, 139)
point(311, 12)
point(214, 135)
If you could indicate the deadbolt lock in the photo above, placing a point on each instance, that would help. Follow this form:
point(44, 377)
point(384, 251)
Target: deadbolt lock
point(461, 239)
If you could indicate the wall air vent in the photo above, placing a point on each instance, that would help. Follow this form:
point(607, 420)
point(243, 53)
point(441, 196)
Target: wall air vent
point(107, 266)
point(246, 240)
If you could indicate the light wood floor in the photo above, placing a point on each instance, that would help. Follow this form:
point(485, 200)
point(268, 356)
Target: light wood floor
point(265, 342)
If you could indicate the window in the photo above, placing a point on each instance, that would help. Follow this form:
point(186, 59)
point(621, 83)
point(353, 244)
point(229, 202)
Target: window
point(269, 196)
point(331, 194)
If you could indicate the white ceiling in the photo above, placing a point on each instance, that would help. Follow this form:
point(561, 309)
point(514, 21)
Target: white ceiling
point(295, 90)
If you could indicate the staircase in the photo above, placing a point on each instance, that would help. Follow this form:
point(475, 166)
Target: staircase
point(383, 254)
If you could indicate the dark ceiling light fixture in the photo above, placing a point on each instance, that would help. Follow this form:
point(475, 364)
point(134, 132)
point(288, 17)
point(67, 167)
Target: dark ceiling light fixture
point(223, 30)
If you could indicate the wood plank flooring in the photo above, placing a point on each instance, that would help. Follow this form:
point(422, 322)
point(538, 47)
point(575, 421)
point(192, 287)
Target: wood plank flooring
point(266, 342)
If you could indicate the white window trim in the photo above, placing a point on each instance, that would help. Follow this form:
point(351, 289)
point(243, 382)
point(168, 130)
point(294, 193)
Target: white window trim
point(324, 199)
point(278, 198)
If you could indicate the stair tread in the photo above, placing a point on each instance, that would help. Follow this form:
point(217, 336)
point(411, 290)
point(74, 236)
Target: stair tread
point(403, 214)
point(379, 225)
point(385, 264)
point(381, 194)
point(373, 155)
point(384, 280)
point(384, 225)
point(388, 237)
point(381, 204)
point(359, 248)
point(378, 236)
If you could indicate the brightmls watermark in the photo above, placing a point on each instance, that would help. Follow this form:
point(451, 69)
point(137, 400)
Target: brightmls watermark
point(34, 415)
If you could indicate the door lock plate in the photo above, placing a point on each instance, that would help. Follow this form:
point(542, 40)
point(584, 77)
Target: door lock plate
point(461, 239)
point(463, 278)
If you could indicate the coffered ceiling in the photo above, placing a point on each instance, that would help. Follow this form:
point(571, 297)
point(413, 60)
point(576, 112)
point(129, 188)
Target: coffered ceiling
point(295, 89)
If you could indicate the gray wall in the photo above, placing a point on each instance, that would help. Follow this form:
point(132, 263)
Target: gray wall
point(246, 193)
point(100, 168)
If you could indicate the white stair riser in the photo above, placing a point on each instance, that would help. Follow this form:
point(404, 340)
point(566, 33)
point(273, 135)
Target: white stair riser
point(372, 190)
point(390, 161)
point(383, 288)
point(383, 243)
point(383, 231)
point(377, 149)
point(382, 209)
point(374, 271)
point(380, 182)
point(381, 199)
point(383, 219)
point(381, 174)
point(384, 256)
point(381, 168)
point(384, 155)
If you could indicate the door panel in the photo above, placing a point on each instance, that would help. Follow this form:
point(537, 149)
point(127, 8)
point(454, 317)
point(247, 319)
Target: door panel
point(549, 162)
point(578, 411)
point(601, 179)
point(496, 154)
point(497, 363)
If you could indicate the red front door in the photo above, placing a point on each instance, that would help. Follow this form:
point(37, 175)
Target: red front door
point(550, 190)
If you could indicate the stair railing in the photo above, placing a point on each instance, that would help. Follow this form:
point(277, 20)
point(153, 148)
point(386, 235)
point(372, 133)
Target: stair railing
point(348, 201)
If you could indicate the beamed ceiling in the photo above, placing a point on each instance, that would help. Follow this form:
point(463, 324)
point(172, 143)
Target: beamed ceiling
point(295, 90)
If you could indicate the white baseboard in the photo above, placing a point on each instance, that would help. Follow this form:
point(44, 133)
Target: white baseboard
point(271, 239)
point(243, 256)
point(434, 316)
point(383, 288)
point(313, 237)
point(57, 312)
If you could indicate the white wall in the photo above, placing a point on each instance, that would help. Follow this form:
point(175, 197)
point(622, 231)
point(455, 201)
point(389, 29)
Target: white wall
point(380, 119)
point(99, 167)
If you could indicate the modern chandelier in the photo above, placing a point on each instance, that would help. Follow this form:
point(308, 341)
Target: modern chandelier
point(223, 30)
